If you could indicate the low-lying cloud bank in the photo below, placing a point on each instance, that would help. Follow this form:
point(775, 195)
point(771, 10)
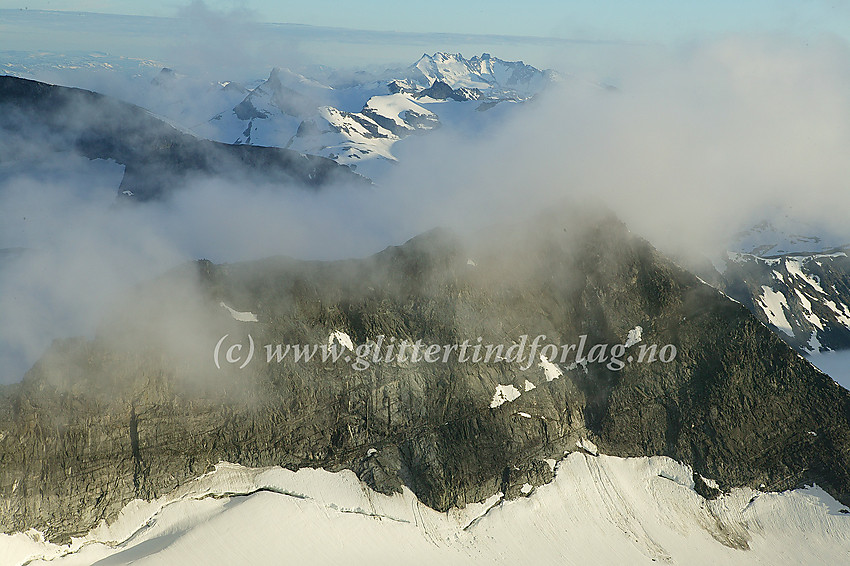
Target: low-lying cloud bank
point(693, 145)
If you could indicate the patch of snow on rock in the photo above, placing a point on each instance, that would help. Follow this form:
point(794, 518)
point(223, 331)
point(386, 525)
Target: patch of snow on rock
point(551, 371)
point(342, 338)
point(635, 336)
point(240, 316)
point(774, 305)
point(504, 394)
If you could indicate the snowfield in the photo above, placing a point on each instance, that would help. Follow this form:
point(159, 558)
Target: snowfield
point(787, 235)
point(775, 305)
point(598, 510)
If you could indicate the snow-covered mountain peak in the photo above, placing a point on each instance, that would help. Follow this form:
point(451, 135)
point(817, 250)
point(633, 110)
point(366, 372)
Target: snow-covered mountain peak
point(491, 75)
point(273, 97)
point(274, 82)
point(166, 76)
point(286, 77)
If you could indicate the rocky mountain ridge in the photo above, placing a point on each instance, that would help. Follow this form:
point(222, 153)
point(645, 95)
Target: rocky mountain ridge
point(142, 409)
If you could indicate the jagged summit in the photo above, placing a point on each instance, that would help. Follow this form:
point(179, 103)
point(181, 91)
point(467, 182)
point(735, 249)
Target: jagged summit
point(492, 76)
point(165, 77)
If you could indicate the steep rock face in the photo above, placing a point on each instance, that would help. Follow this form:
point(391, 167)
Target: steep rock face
point(157, 157)
point(143, 408)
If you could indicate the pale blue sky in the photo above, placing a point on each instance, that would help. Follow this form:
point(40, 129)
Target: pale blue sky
point(658, 20)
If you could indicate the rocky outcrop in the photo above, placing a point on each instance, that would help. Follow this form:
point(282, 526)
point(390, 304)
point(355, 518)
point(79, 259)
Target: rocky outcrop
point(142, 408)
point(442, 91)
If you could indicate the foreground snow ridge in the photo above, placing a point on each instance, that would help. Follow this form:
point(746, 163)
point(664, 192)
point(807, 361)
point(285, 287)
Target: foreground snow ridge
point(598, 510)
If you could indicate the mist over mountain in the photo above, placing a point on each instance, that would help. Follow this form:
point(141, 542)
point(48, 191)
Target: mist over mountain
point(156, 156)
point(177, 230)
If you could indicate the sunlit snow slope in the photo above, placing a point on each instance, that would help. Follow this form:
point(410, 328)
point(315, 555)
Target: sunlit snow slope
point(599, 510)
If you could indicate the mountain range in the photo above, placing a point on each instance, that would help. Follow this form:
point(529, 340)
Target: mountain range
point(356, 123)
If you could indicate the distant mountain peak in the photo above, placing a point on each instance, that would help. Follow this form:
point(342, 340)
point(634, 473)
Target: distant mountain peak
point(494, 77)
point(165, 77)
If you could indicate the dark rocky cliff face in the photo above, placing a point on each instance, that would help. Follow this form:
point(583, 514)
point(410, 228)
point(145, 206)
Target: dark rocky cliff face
point(158, 158)
point(97, 423)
